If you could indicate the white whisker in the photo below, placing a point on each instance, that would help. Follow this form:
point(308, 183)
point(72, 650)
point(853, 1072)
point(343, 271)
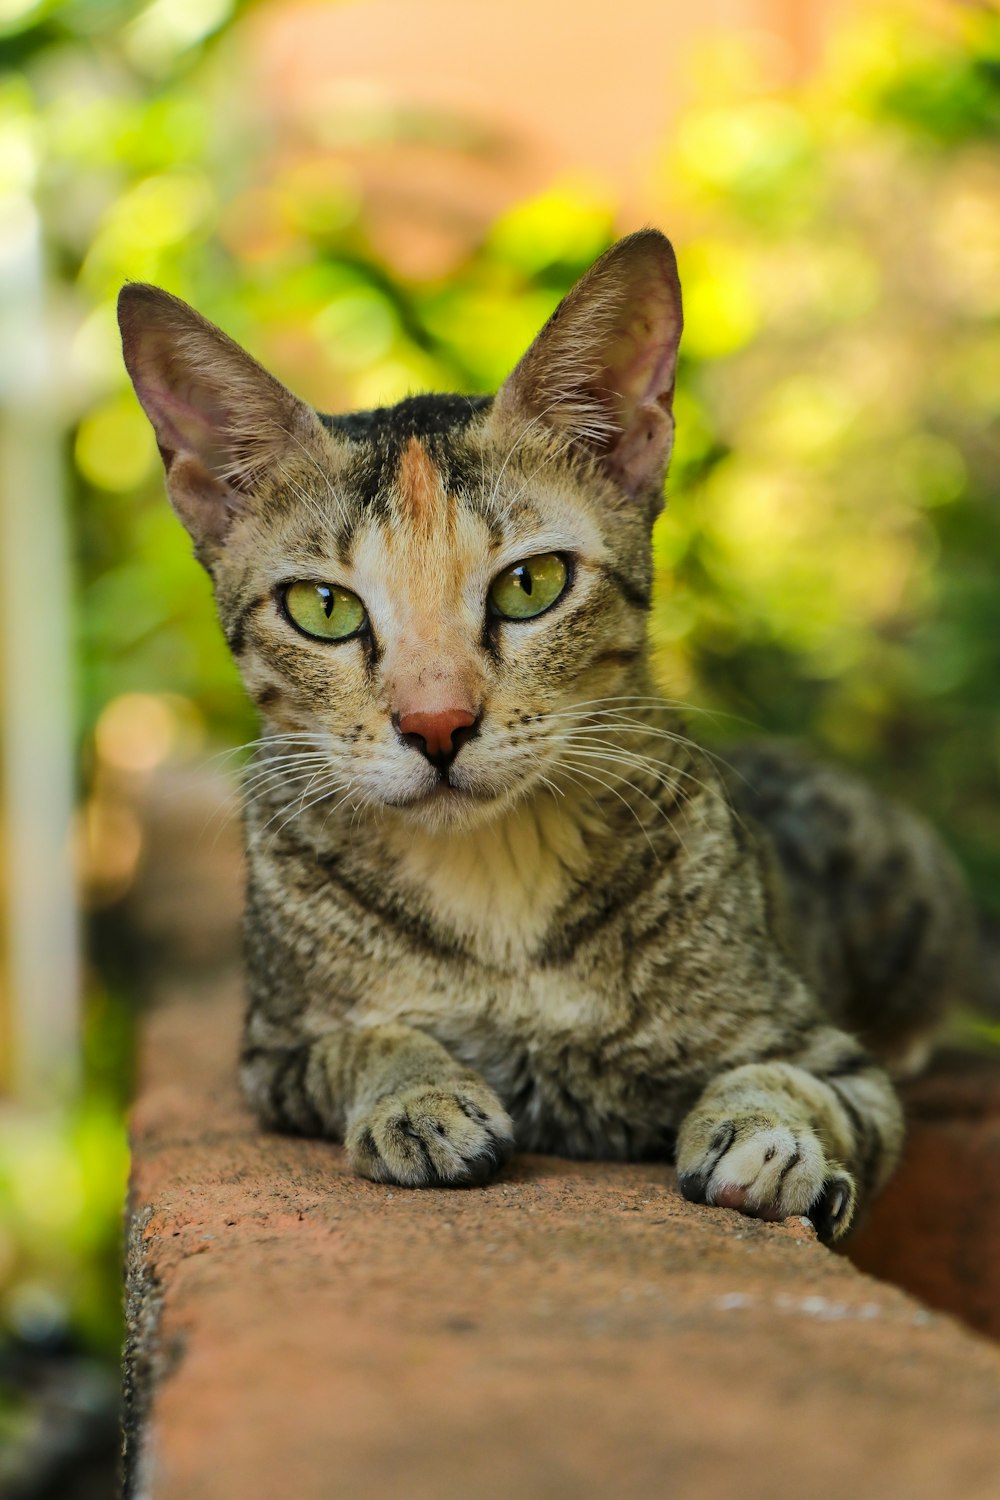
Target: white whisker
point(591, 775)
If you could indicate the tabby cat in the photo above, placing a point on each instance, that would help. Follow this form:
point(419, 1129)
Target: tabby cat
point(495, 893)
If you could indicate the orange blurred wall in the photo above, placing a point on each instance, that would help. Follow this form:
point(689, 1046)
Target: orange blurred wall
point(449, 110)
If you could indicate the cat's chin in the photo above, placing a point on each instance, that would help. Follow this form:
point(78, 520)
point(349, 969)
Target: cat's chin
point(447, 806)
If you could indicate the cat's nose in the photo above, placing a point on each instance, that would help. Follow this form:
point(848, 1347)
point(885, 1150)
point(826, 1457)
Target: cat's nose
point(439, 735)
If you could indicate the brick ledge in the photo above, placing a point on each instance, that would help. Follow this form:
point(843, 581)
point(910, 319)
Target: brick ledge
point(574, 1330)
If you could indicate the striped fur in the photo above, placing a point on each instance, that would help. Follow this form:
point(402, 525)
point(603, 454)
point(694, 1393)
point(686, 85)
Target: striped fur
point(588, 940)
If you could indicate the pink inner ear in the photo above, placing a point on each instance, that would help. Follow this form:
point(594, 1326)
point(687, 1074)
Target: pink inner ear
point(179, 424)
point(220, 419)
point(639, 457)
point(186, 416)
point(642, 364)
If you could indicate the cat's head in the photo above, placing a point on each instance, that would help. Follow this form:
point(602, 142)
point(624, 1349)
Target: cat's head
point(429, 595)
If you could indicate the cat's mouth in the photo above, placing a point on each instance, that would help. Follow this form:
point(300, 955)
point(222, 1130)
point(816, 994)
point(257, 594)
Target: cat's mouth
point(442, 792)
point(447, 801)
point(456, 795)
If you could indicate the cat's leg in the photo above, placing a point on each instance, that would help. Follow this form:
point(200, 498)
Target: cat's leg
point(814, 1134)
point(406, 1110)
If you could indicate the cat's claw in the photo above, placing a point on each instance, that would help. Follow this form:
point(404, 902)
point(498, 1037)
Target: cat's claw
point(766, 1169)
point(833, 1210)
point(449, 1135)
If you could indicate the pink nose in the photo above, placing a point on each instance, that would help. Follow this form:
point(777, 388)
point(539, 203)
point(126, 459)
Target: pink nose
point(436, 729)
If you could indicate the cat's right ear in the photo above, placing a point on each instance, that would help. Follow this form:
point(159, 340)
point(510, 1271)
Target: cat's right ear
point(601, 372)
point(221, 421)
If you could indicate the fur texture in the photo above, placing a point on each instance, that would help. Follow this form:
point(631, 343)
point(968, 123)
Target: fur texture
point(574, 934)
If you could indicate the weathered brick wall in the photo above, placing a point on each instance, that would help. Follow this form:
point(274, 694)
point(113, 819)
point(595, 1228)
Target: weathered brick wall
point(574, 1330)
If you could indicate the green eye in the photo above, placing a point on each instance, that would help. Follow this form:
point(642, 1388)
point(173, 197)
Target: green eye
point(324, 611)
point(529, 587)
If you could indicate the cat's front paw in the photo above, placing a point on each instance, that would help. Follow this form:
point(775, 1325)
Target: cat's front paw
point(762, 1167)
point(447, 1135)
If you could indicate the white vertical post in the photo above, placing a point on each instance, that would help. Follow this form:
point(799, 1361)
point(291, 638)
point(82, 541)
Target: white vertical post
point(38, 924)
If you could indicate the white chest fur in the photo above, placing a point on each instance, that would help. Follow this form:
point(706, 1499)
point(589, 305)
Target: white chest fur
point(497, 885)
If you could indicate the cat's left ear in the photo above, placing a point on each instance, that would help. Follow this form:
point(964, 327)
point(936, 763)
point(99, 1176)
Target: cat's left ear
point(221, 421)
point(601, 372)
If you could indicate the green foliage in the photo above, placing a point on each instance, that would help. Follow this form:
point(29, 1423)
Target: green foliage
point(62, 1185)
point(828, 567)
point(63, 1176)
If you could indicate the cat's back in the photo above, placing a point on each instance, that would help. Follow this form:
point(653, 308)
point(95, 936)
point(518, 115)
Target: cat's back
point(875, 910)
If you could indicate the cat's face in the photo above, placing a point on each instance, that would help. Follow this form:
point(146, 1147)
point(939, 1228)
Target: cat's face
point(424, 572)
point(425, 598)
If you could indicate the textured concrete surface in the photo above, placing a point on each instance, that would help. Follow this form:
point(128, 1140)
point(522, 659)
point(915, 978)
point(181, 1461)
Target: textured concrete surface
point(572, 1331)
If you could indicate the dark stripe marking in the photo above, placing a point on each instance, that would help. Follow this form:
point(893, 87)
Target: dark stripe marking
point(789, 1166)
point(561, 947)
point(848, 1066)
point(371, 901)
point(623, 658)
point(851, 1110)
point(236, 635)
point(639, 598)
point(868, 1139)
point(409, 1130)
point(285, 1087)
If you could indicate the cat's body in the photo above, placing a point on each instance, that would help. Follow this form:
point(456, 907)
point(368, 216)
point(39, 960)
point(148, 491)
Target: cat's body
point(495, 893)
